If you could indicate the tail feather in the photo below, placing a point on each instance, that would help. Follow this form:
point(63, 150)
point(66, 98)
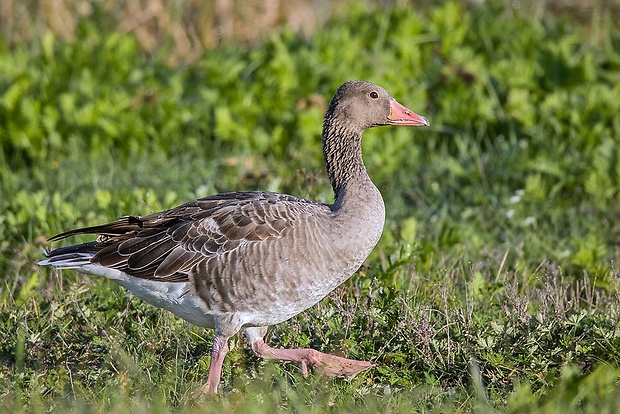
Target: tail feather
point(70, 257)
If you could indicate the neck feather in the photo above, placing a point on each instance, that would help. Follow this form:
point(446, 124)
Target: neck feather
point(342, 151)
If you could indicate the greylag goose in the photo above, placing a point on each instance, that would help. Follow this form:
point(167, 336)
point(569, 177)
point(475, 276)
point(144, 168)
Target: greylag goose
point(248, 260)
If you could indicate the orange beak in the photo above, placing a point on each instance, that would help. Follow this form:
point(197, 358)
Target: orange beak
point(400, 115)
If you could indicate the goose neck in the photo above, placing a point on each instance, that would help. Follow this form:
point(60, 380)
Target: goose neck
point(342, 151)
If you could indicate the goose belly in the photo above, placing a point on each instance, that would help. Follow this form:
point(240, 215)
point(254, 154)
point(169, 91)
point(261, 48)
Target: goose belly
point(270, 282)
point(176, 297)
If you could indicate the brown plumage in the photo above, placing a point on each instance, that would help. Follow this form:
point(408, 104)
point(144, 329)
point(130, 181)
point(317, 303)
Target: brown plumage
point(165, 246)
point(247, 260)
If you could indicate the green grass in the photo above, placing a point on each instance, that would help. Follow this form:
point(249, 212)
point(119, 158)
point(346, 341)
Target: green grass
point(494, 287)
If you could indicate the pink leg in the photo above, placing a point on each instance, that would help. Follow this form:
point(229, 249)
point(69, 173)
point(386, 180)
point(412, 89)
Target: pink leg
point(218, 353)
point(329, 365)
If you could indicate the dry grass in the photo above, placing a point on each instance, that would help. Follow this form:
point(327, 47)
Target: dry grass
point(191, 26)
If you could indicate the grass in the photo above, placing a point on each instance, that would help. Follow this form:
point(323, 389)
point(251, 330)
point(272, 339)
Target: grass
point(90, 344)
point(494, 287)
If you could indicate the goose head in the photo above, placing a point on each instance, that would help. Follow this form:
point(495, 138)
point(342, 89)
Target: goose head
point(359, 105)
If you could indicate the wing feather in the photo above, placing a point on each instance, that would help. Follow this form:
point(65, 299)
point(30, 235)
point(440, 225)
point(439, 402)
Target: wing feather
point(177, 259)
point(152, 256)
point(166, 246)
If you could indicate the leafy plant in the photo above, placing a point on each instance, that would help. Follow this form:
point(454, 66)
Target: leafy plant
point(494, 286)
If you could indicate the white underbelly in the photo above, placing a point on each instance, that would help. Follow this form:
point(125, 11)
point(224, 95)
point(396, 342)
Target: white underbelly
point(176, 297)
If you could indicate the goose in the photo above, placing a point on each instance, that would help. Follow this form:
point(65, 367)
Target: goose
point(248, 260)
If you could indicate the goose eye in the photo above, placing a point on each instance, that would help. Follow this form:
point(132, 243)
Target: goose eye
point(374, 95)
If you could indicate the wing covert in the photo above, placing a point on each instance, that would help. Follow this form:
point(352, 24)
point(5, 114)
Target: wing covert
point(165, 246)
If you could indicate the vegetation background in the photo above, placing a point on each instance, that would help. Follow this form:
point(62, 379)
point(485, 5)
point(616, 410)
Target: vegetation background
point(495, 286)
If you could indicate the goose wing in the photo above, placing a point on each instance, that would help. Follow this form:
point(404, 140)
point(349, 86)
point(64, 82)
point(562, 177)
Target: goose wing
point(166, 246)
